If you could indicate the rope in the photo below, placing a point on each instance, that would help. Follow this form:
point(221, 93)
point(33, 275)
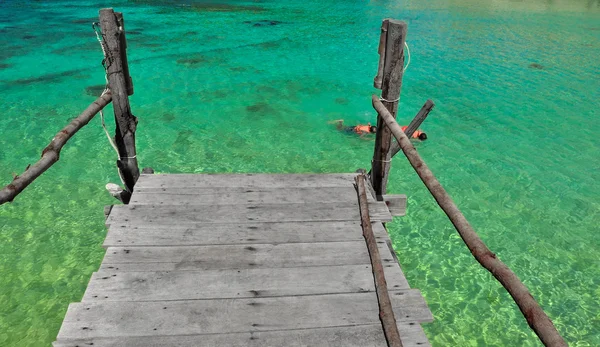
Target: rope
point(407, 51)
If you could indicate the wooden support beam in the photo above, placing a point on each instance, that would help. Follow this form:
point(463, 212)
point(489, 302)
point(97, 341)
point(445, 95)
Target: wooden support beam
point(535, 316)
point(390, 93)
point(125, 121)
point(386, 312)
point(414, 125)
point(51, 153)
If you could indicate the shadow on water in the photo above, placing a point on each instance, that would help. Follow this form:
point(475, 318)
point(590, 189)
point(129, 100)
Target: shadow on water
point(199, 6)
point(49, 78)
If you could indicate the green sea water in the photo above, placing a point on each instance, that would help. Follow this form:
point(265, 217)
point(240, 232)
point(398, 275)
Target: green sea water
point(515, 144)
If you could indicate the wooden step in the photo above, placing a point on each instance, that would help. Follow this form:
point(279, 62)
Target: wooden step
point(144, 215)
point(240, 195)
point(411, 334)
point(198, 234)
point(114, 285)
point(245, 180)
point(159, 318)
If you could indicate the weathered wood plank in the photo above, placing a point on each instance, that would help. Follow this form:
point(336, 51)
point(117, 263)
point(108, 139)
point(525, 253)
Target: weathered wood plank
point(246, 180)
point(141, 215)
point(237, 195)
point(396, 203)
point(232, 233)
point(229, 284)
point(243, 256)
point(355, 336)
point(115, 319)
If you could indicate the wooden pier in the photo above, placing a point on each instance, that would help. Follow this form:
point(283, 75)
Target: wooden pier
point(258, 259)
point(242, 260)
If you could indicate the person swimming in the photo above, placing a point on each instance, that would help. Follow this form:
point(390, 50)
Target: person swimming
point(418, 134)
point(358, 129)
point(369, 129)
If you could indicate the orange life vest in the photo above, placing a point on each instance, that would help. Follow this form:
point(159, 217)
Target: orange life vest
point(362, 129)
point(415, 135)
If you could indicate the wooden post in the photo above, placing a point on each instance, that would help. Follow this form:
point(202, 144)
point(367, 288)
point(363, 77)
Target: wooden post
point(126, 122)
point(535, 316)
point(390, 93)
point(414, 125)
point(123, 42)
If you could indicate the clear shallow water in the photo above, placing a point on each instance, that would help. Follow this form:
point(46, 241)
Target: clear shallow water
point(516, 146)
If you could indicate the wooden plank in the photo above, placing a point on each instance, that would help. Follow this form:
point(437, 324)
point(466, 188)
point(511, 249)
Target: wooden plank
point(236, 195)
point(156, 318)
point(232, 233)
point(243, 256)
point(245, 180)
point(142, 215)
point(396, 203)
point(355, 336)
point(114, 285)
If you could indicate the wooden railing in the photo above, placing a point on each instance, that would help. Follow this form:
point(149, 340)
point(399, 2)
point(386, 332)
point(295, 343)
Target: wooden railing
point(120, 87)
point(386, 107)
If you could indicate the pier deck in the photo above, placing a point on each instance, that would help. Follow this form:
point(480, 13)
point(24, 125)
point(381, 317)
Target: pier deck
point(242, 260)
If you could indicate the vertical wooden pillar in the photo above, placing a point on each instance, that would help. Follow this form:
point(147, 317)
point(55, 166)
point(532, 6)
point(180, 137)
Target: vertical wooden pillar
point(113, 41)
point(393, 68)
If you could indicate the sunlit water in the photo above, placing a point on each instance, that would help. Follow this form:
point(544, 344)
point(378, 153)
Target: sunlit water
point(515, 144)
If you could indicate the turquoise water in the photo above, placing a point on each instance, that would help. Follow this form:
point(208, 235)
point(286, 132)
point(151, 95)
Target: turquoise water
point(516, 146)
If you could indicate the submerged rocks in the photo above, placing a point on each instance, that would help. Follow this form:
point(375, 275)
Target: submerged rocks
point(263, 23)
point(536, 66)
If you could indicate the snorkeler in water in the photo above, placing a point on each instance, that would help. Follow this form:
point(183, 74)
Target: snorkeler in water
point(418, 134)
point(358, 129)
point(369, 129)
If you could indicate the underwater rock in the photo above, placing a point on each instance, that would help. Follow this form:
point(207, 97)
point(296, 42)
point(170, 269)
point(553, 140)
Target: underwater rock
point(536, 66)
point(214, 7)
point(259, 107)
point(4, 66)
point(263, 22)
point(168, 117)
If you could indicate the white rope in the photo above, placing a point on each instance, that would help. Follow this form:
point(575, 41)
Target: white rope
point(408, 51)
point(382, 99)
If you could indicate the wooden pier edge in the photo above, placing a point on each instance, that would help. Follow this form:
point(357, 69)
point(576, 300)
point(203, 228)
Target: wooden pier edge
point(535, 316)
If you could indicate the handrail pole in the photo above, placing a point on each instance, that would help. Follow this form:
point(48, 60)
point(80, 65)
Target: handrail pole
point(535, 316)
point(51, 153)
point(386, 311)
